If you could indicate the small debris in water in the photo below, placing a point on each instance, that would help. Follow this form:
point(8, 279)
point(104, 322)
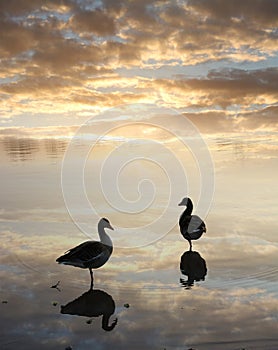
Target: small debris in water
point(126, 305)
point(54, 303)
point(56, 286)
point(68, 348)
point(89, 321)
point(4, 302)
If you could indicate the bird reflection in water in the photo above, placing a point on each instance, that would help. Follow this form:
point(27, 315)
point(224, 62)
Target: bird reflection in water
point(93, 303)
point(194, 267)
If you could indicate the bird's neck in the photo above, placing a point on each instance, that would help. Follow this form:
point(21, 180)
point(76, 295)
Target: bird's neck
point(104, 238)
point(189, 208)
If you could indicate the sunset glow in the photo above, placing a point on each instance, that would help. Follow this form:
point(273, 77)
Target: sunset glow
point(64, 60)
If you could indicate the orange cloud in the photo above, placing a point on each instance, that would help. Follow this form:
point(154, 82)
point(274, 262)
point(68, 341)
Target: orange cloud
point(68, 54)
point(97, 22)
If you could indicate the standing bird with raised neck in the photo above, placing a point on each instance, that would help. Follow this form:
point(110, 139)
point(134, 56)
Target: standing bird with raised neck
point(91, 254)
point(191, 226)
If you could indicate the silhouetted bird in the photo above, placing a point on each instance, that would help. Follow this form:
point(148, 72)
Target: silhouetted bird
point(191, 226)
point(93, 303)
point(91, 254)
point(193, 266)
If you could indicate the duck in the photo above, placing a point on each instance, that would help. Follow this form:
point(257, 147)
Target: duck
point(191, 226)
point(90, 254)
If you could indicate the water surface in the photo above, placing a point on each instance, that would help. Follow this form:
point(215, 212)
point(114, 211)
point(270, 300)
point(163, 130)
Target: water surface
point(234, 305)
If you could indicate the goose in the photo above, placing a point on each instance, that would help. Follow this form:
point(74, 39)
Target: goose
point(191, 226)
point(90, 254)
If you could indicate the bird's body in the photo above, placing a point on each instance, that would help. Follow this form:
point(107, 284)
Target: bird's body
point(91, 254)
point(191, 226)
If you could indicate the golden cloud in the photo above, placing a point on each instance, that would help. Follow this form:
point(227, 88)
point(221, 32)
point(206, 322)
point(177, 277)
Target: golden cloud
point(68, 55)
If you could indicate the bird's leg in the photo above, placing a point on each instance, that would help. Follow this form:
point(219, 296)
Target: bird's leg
point(92, 278)
point(190, 245)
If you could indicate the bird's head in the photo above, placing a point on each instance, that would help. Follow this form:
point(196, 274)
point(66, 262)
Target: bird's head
point(106, 224)
point(184, 201)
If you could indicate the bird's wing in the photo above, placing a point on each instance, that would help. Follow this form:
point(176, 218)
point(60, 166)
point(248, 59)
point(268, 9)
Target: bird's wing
point(195, 224)
point(78, 247)
point(86, 251)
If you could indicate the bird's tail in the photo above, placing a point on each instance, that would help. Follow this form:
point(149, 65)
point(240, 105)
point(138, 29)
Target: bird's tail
point(67, 260)
point(61, 259)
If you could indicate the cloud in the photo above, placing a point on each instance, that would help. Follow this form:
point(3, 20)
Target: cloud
point(255, 81)
point(21, 7)
point(16, 40)
point(260, 11)
point(227, 87)
point(95, 22)
point(218, 122)
point(66, 54)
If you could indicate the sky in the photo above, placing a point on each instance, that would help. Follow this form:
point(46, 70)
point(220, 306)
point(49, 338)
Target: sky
point(63, 61)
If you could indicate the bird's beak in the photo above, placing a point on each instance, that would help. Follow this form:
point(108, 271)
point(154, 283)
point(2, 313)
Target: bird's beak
point(180, 204)
point(111, 228)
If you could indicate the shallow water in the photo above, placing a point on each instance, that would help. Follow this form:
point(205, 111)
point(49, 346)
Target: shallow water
point(234, 305)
